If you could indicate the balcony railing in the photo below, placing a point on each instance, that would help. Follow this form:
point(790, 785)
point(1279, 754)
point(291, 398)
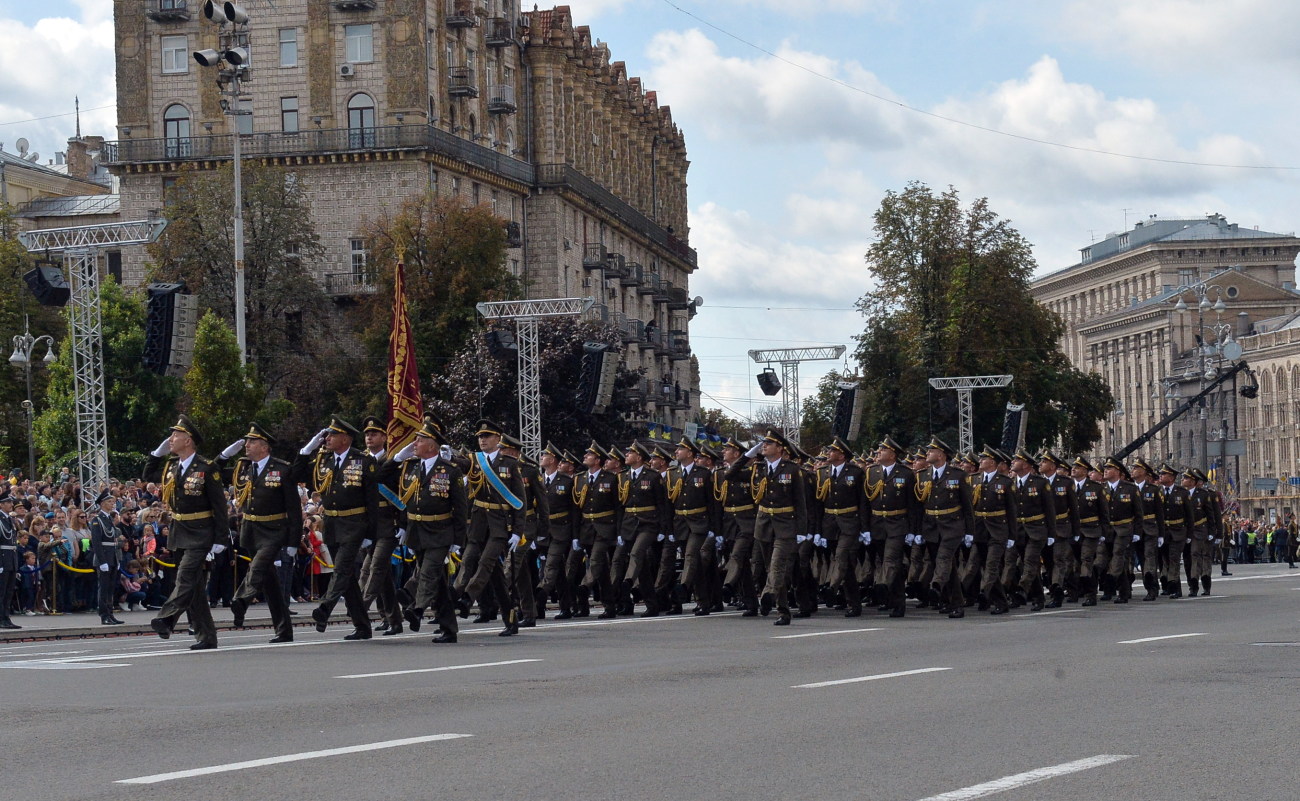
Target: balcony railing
point(500, 32)
point(501, 100)
point(461, 82)
point(319, 142)
point(565, 176)
point(460, 14)
point(355, 5)
point(345, 284)
point(169, 11)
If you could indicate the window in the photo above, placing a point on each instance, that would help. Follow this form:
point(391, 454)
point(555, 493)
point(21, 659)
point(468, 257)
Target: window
point(289, 114)
point(361, 121)
point(455, 186)
point(168, 189)
point(288, 47)
point(244, 120)
point(451, 55)
point(176, 131)
point(359, 254)
point(360, 43)
point(433, 180)
point(507, 75)
point(432, 55)
point(469, 58)
point(175, 55)
point(476, 192)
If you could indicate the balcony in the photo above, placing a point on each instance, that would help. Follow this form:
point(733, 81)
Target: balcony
point(345, 285)
point(460, 14)
point(615, 266)
point(678, 300)
point(461, 83)
point(633, 331)
point(601, 313)
point(679, 346)
point(663, 290)
point(355, 5)
point(500, 32)
point(514, 235)
point(633, 276)
point(594, 255)
point(318, 143)
point(169, 11)
point(501, 100)
point(649, 283)
point(563, 176)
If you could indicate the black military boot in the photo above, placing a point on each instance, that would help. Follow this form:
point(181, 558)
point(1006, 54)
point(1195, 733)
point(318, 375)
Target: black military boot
point(1149, 581)
point(1058, 597)
point(1205, 582)
point(1194, 584)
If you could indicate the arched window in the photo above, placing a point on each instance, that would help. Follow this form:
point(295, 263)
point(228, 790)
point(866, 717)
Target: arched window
point(473, 128)
point(510, 141)
point(176, 131)
point(361, 121)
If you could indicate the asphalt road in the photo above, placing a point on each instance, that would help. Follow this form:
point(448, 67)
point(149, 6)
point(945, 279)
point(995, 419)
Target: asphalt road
point(1041, 706)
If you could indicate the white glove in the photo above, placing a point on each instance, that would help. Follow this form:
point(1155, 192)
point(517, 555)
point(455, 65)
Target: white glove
point(1101, 539)
point(532, 545)
point(315, 442)
point(366, 544)
point(754, 451)
point(276, 563)
point(620, 541)
point(293, 551)
point(1212, 540)
point(717, 543)
point(1137, 537)
point(405, 453)
point(820, 541)
point(907, 540)
point(1076, 537)
point(164, 448)
point(456, 549)
point(1011, 544)
point(799, 539)
point(1051, 541)
point(232, 449)
point(710, 534)
point(217, 548)
point(671, 538)
point(514, 541)
point(446, 453)
point(865, 537)
point(577, 546)
point(661, 537)
point(1160, 542)
point(208, 558)
point(968, 540)
point(103, 568)
point(401, 536)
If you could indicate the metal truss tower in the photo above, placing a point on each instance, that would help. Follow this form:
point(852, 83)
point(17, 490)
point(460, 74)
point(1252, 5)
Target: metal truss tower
point(82, 248)
point(791, 405)
point(965, 411)
point(526, 313)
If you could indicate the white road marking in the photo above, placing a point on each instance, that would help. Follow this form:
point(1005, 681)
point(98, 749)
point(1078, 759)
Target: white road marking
point(1028, 777)
point(1165, 637)
point(1256, 578)
point(821, 633)
point(279, 760)
point(1041, 614)
point(436, 669)
point(43, 664)
point(817, 684)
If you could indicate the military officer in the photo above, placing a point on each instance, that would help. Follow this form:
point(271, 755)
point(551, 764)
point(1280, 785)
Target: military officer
point(782, 515)
point(697, 517)
point(1207, 527)
point(595, 492)
point(1064, 573)
point(348, 482)
point(271, 519)
point(558, 486)
point(738, 517)
point(499, 500)
point(1094, 522)
point(993, 510)
point(846, 520)
point(376, 579)
point(1153, 525)
point(1177, 502)
point(522, 574)
point(946, 498)
point(1035, 524)
point(103, 538)
point(192, 489)
point(895, 515)
point(8, 553)
point(646, 521)
point(1126, 526)
point(920, 561)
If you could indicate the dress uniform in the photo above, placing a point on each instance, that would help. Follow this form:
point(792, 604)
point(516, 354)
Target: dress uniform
point(845, 521)
point(697, 517)
point(739, 513)
point(920, 569)
point(595, 493)
point(1207, 527)
point(1126, 526)
point(437, 508)
point(895, 514)
point(498, 500)
point(1035, 524)
point(522, 574)
point(558, 487)
point(779, 490)
point(267, 496)
point(376, 579)
point(993, 510)
point(1179, 516)
point(192, 489)
point(945, 496)
point(646, 521)
point(1064, 571)
point(348, 482)
point(103, 538)
point(1154, 529)
point(8, 554)
point(1094, 522)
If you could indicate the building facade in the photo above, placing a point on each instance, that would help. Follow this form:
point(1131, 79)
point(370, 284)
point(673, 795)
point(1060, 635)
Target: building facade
point(371, 102)
point(1123, 320)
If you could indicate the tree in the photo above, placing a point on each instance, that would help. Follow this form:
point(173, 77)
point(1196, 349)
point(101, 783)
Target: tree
point(951, 298)
point(475, 385)
point(454, 258)
point(222, 394)
point(139, 404)
point(724, 424)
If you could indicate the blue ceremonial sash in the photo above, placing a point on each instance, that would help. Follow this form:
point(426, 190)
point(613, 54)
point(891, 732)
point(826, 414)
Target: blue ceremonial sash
point(496, 482)
point(391, 496)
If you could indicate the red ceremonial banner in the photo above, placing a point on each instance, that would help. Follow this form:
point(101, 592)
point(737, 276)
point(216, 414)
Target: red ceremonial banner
point(405, 409)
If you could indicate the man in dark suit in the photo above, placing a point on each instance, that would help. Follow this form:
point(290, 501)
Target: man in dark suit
point(103, 538)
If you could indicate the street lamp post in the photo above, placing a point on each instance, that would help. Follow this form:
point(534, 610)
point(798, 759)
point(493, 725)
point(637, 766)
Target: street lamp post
point(1209, 358)
point(24, 349)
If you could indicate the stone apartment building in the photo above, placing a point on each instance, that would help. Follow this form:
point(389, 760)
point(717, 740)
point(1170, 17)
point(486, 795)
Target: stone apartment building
point(373, 101)
point(1120, 306)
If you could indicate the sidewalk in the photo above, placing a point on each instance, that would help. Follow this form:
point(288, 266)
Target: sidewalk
point(79, 625)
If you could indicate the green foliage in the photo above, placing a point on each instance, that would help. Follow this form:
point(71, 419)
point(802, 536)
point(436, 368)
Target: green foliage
point(222, 394)
point(139, 404)
point(951, 298)
point(724, 424)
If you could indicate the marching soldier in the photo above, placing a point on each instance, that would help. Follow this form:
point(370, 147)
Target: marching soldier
point(537, 531)
point(1036, 524)
point(1207, 527)
point(994, 514)
point(1126, 513)
point(1094, 522)
point(920, 562)
point(1179, 516)
point(738, 517)
point(595, 492)
point(9, 554)
point(646, 521)
point(895, 515)
point(946, 497)
point(1153, 527)
point(376, 580)
point(1064, 570)
point(558, 487)
point(103, 538)
point(267, 496)
point(499, 498)
point(778, 489)
point(347, 481)
point(622, 553)
point(845, 520)
point(192, 489)
point(696, 520)
point(437, 507)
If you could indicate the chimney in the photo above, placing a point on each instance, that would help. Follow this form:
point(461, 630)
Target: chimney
point(80, 165)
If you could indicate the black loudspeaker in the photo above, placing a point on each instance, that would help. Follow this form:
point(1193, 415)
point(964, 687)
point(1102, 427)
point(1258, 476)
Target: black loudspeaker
point(158, 325)
point(501, 344)
point(768, 382)
point(49, 286)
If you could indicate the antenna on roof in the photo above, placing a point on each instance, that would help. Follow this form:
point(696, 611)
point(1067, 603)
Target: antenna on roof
point(76, 99)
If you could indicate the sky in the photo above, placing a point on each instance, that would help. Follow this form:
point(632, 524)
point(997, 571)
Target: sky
point(1075, 118)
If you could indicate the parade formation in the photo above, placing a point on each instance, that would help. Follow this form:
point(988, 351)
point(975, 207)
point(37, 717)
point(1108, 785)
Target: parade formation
point(761, 528)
